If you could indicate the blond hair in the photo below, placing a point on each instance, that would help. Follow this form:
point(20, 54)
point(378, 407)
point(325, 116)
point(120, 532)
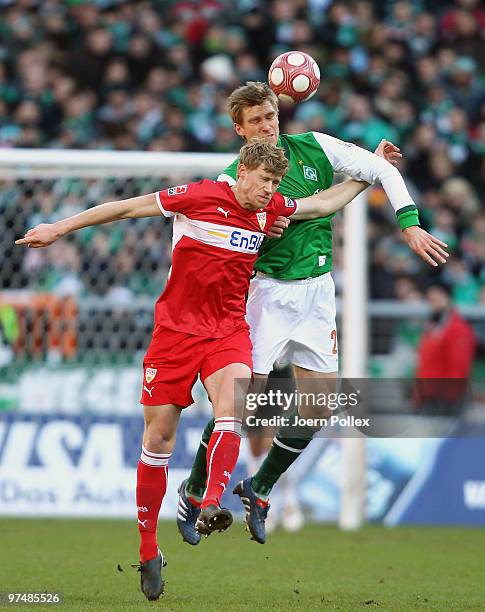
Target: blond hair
point(261, 152)
point(253, 93)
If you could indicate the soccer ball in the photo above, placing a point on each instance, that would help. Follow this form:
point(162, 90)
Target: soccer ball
point(294, 76)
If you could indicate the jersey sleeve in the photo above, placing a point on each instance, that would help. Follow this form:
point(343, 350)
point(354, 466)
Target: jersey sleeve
point(366, 166)
point(286, 207)
point(229, 174)
point(179, 199)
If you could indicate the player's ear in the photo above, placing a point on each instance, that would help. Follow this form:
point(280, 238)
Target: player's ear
point(241, 170)
point(239, 130)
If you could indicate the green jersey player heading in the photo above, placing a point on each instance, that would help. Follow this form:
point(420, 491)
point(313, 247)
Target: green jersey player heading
point(291, 301)
point(305, 248)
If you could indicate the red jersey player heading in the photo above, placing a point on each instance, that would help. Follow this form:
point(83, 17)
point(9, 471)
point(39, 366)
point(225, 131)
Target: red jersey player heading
point(199, 319)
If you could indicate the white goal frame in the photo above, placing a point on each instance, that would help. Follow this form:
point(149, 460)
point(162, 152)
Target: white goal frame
point(56, 163)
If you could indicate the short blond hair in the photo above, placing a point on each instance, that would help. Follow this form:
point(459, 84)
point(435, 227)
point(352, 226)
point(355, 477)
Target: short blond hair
point(260, 152)
point(253, 93)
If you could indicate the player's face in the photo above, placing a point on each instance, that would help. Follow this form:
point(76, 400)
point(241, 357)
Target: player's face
point(259, 121)
point(257, 186)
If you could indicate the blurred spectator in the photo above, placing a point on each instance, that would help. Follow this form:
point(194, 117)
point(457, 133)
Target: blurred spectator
point(464, 286)
point(88, 58)
point(445, 356)
point(459, 196)
point(364, 127)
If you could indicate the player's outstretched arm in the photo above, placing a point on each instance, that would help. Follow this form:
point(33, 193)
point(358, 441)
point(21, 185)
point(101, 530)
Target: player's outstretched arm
point(327, 202)
point(385, 149)
point(379, 167)
point(46, 233)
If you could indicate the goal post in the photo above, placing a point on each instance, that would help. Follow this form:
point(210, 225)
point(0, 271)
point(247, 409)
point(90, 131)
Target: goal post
point(355, 352)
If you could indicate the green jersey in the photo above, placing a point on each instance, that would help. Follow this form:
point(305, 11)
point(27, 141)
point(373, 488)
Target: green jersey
point(305, 249)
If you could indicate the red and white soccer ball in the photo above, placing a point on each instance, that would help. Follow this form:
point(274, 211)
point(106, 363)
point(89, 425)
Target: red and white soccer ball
point(294, 76)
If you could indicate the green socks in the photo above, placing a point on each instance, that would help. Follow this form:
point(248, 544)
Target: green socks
point(283, 452)
point(196, 482)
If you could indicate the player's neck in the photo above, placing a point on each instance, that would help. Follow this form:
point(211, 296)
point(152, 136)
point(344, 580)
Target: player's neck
point(242, 199)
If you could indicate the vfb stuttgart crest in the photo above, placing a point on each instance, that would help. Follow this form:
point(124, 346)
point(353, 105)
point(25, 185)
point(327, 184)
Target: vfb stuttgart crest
point(261, 220)
point(150, 374)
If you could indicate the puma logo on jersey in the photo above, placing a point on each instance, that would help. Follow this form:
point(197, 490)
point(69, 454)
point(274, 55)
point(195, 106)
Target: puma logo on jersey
point(149, 391)
point(224, 212)
point(143, 523)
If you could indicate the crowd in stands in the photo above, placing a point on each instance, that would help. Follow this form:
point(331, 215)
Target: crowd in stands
point(127, 75)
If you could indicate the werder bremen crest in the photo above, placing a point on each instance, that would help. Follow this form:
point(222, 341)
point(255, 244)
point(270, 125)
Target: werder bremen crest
point(261, 219)
point(150, 374)
point(310, 173)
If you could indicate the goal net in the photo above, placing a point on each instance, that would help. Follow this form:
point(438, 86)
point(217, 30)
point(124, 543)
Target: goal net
point(89, 297)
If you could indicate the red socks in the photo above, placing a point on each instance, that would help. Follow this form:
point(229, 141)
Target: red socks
point(152, 472)
point(222, 454)
point(151, 485)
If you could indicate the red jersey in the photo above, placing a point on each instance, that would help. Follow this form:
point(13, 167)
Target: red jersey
point(445, 360)
point(215, 246)
point(447, 350)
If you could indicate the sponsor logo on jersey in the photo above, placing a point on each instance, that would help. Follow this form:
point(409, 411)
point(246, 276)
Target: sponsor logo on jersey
point(242, 240)
point(261, 219)
point(290, 203)
point(150, 374)
point(218, 234)
point(245, 241)
point(310, 173)
point(177, 190)
point(221, 236)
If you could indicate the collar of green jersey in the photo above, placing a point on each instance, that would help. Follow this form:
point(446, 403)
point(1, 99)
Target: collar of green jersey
point(282, 142)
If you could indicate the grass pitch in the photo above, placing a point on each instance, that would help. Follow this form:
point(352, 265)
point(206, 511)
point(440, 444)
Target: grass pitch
point(318, 568)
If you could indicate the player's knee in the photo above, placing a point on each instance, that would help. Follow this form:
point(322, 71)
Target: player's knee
point(227, 409)
point(159, 440)
point(228, 406)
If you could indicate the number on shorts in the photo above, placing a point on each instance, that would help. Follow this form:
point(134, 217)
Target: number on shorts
point(333, 336)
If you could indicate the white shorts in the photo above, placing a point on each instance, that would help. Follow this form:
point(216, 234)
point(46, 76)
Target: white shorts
point(293, 322)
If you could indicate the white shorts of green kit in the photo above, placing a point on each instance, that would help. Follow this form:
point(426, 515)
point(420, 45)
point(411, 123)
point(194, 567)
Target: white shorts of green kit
point(293, 322)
